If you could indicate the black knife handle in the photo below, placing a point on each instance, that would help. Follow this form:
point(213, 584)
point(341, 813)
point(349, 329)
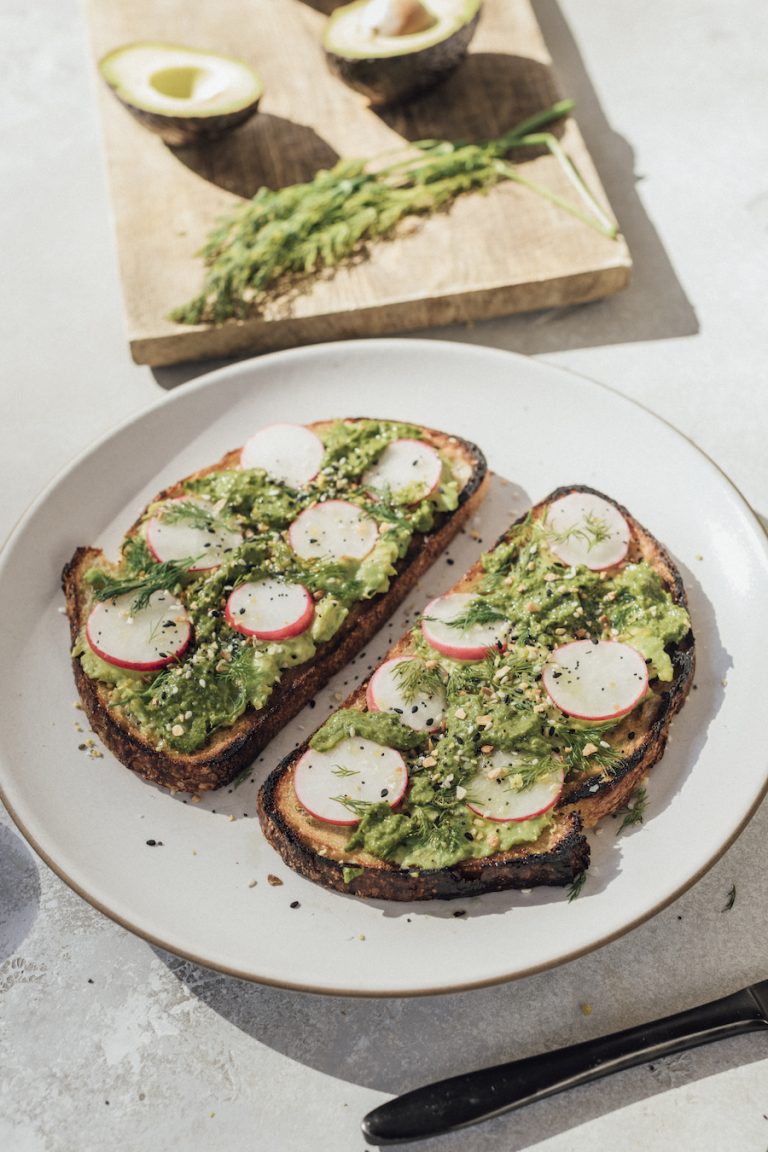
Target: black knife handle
point(450, 1104)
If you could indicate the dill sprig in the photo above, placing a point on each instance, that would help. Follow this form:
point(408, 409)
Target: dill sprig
point(197, 516)
point(290, 234)
point(470, 676)
point(385, 512)
point(634, 810)
point(340, 770)
point(356, 807)
point(575, 741)
point(478, 612)
point(574, 889)
point(415, 679)
point(160, 578)
point(592, 530)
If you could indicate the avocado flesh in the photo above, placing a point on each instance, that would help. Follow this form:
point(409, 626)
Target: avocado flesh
point(182, 94)
point(388, 68)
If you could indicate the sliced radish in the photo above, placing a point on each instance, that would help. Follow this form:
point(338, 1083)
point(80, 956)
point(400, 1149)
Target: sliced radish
point(270, 609)
point(334, 530)
point(472, 643)
point(495, 792)
point(404, 463)
point(358, 770)
point(209, 547)
point(585, 529)
point(384, 694)
point(596, 681)
point(288, 452)
point(144, 640)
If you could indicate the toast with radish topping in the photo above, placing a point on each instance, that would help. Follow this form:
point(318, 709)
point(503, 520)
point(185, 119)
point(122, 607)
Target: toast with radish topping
point(243, 588)
point(527, 704)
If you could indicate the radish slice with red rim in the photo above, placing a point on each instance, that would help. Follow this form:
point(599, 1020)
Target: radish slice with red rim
point(270, 609)
point(403, 464)
point(141, 640)
point(595, 680)
point(585, 529)
point(356, 770)
point(422, 711)
point(443, 632)
point(290, 453)
point(496, 791)
point(208, 545)
point(333, 530)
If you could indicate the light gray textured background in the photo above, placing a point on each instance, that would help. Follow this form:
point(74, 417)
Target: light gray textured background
point(106, 1042)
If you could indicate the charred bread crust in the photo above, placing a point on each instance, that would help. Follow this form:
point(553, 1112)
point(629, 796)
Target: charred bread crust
point(231, 750)
point(316, 850)
point(643, 735)
point(556, 858)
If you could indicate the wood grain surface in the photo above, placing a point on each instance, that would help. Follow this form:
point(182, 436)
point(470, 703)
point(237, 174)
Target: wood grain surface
point(488, 255)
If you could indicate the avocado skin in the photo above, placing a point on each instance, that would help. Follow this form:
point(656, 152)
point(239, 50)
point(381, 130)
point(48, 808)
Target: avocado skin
point(184, 130)
point(390, 79)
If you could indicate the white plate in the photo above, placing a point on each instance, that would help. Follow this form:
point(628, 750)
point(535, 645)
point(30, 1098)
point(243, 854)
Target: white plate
point(91, 818)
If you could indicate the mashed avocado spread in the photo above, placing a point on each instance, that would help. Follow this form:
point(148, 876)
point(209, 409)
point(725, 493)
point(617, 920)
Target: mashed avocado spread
point(499, 703)
point(222, 673)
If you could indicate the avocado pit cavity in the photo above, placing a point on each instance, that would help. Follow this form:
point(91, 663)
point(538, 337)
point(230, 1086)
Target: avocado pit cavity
point(397, 17)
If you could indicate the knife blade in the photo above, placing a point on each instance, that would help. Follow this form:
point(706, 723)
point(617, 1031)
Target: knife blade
point(447, 1105)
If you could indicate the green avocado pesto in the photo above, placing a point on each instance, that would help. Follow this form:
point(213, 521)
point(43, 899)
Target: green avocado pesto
point(499, 703)
point(223, 673)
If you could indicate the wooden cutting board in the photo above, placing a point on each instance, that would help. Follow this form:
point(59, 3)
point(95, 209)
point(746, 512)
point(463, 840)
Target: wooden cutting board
point(489, 255)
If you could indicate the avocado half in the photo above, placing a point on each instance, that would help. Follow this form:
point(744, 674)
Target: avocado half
point(182, 94)
point(392, 49)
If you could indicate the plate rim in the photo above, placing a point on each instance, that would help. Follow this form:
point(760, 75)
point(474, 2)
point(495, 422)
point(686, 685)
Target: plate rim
point(208, 380)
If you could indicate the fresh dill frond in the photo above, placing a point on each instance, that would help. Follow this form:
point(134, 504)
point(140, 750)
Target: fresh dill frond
point(136, 557)
point(574, 889)
point(197, 516)
point(529, 773)
point(337, 577)
point(340, 770)
point(470, 676)
point(592, 530)
point(478, 612)
point(242, 776)
point(160, 578)
point(414, 679)
point(584, 748)
point(634, 810)
point(356, 807)
point(730, 899)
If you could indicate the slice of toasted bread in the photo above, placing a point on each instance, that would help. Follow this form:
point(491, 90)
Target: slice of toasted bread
point(317, 849)
point(231, 749)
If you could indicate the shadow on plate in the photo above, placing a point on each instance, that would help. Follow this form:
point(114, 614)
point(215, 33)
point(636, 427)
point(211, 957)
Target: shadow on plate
point(268, 150)
point(19, 892)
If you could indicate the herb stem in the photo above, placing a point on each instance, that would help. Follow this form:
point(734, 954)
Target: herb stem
point(573, 175)
point(286, 235)
point(547, 194)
